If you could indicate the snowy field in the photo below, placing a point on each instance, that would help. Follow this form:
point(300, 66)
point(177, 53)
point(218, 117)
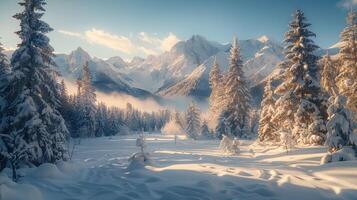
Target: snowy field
point(187, 170)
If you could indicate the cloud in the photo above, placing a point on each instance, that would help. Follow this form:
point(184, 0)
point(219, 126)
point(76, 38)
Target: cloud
point(115, 42)
point(163, 44)
point(169, 42)
point(347, 3)
point(147, 51)
point(139, 44)
point(69, 33)
point(149, 39)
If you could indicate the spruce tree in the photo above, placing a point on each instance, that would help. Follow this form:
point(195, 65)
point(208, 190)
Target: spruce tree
point(301, 106)
point(4, 75)
point(101, 120)
point(87, 104)
point(215, 99)
point(340, 124)
point(237, 96)
point(31, 115)
point(267, 129)
point(347, 77)
point(193, 122)
point(205, 133)
point(65, 106)
point(328, 75)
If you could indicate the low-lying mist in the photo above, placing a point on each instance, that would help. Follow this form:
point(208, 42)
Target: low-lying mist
point(120, 100)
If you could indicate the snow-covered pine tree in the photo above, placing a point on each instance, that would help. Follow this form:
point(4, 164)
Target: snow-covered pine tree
point(205, 133)
point(237, 96)
point(32, 93)
point(347, 77)
point(193, 122)
point(267, 129)
point(101, 120)
point(215, 99)
point(340, 124)
point(328, 75)
point(222, 127)
point(87, 98)
point(301, 98)
point(65, 106)
point(4, 75)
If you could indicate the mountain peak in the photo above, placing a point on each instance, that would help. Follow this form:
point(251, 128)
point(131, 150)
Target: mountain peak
point(263, 39)
point(197, 37)
point(80, 51)
point(79, 56)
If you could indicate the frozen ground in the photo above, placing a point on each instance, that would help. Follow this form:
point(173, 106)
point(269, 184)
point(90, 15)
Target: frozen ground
point(186, 171)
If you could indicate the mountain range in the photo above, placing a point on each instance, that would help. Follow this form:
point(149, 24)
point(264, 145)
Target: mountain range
point(182, 71)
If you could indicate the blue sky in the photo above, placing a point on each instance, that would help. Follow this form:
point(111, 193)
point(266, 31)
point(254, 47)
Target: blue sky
point(130, 28)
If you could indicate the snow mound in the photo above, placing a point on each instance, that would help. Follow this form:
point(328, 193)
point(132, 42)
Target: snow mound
point(46, 171)
point(66, 166)
point(139, 161)
point(10, 190)
point(344, 154)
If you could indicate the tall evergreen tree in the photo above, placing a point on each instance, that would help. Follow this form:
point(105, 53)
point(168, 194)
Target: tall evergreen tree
point(347, 77)
point(328, 75)
point(101, 120)
point(65, 106)
point(340, 125)
point(237, 96)
point(193, 121)
point(205, 133)
point(4, 75)
point(301, 106)
point(87, 104)
point(216, 97)
point(266, 127)
point(31, 117)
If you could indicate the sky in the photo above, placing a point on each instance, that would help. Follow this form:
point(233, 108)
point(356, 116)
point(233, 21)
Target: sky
point(128, 28)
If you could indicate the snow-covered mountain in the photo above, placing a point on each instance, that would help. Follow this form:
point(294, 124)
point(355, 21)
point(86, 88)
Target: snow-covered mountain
point(171, 66)
point(260, 57)
point(106, 74)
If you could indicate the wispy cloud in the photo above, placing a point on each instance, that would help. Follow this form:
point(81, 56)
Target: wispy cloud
point(115, 42)
point(347, 3)
point(164, 44)
point(147, 51)
point(169, 42)
point(69, 33)
point(141, 43)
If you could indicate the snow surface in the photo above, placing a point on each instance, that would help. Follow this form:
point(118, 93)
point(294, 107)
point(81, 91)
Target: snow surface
point(188, 170)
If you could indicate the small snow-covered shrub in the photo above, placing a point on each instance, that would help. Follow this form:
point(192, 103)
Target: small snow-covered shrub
point(344, 154)
point(287, 140)
point(229, 146)
point(140, 159)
